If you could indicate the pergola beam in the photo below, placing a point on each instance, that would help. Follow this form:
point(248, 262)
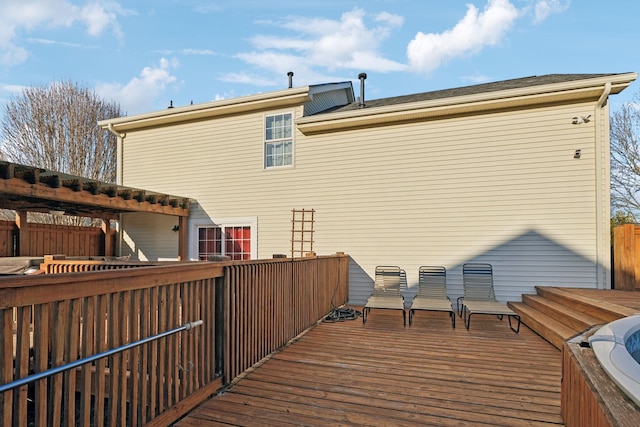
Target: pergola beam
point(39, 190)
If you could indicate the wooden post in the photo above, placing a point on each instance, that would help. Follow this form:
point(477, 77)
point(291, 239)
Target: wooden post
point(182, 238)
point(23, 233)
point(624, 253)
point(108, 243)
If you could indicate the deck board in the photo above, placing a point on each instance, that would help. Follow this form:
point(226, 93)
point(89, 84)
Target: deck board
point(382, 373)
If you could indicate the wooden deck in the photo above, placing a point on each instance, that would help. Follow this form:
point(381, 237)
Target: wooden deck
point(384, 374)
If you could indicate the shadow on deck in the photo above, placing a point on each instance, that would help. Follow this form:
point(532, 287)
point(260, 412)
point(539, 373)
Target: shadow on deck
point(382, 373)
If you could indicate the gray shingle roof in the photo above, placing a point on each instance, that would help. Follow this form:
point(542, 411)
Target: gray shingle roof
point(472, 90)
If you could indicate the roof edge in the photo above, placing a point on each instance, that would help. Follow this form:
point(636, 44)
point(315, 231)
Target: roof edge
point(209, 109)
point(453, 105)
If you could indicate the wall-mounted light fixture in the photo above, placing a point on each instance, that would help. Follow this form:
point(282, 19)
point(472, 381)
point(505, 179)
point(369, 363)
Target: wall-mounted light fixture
point(175, 228)
point(577, 154)
point(577, 120)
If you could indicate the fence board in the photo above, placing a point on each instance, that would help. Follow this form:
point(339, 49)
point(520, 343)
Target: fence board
point(22, 362)
point(41, 350)
point(6, 364)
point(88, 348)
point(7, 233)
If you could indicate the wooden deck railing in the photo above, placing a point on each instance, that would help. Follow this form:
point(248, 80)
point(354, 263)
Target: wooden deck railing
point(249, 309)
point(269, 303)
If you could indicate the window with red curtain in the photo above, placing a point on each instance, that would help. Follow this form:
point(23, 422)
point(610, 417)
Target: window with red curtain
point(232, 241)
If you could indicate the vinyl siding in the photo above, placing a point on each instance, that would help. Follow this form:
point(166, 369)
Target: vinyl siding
point(148, 237)
point(502, 188)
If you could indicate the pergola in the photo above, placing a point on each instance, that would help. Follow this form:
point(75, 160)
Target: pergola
point(32, 189)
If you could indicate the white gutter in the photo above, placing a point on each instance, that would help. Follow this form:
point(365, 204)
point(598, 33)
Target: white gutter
point(603, 185)
point(605, 94)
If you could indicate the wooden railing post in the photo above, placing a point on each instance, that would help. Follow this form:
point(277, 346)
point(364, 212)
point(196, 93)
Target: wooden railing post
point(182, 238)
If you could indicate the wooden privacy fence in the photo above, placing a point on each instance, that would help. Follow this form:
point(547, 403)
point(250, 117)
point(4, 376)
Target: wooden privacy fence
point(626, 257)
point(7, 233)
point(248, 309)
point(54, 239)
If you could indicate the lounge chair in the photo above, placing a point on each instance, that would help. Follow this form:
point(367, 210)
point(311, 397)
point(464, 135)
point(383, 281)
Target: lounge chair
point(386, 291)
point(432, 293)
point(479, 296)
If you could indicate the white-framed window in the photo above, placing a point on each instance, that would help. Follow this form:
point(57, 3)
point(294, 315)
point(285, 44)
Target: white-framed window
point(278, 140)
point(235, 238)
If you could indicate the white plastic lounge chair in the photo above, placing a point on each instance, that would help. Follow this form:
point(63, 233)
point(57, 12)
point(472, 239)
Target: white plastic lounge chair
point(432, 293)
point(386, 291)
point(479, 296)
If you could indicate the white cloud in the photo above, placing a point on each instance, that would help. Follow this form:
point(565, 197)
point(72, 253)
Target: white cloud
point(544, 8)
point(12, 89)
point(476, 78)
point(391, 19)
point(98, 17)
point(13, 55)
point(139, 94)
point(18, 17)
point(322, 44)
point(247, 78)
point(58, 43)
point(205, 52)
point(188, 51)
point(426, 52)
point(275, 62)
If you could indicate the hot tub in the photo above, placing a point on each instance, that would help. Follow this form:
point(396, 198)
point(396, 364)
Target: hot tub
point(615, 346)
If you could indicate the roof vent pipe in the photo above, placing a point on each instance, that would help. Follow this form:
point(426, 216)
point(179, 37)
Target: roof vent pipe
point(290, 74)
point(362, 77)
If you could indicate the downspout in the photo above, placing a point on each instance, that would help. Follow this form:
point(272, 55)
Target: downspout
point(119, 142)
point(603, 197)
point(120, 137)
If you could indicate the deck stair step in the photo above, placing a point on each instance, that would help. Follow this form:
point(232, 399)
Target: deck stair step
point(558, 314)
point(604, 310)
point(572, 317)
point(547, 327)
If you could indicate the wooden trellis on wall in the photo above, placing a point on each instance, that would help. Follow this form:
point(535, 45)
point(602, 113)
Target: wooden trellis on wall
point(302, 232)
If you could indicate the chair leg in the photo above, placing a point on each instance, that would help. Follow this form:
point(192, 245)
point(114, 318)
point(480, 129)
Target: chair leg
point(452, 315)
point(466, 317)
point(517, 329)
point(365, 312)
point(459, 307)
point(411, 312)
point(404, 317)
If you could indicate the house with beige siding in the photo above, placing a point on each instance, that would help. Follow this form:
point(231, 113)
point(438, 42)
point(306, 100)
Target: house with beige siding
point(514, 173)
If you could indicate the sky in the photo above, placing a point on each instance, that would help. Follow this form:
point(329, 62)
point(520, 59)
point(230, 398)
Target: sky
point(145, 54)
